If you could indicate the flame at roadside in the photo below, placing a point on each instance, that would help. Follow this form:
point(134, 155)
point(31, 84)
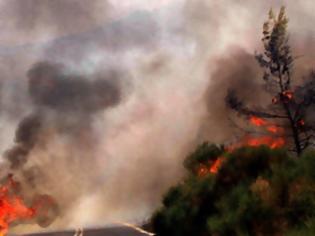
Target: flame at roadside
point(14, 209)
point(12, 206)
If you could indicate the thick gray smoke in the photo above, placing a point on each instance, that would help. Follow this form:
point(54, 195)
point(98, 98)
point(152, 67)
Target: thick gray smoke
point(25, 138)
point(51, 87)
point(108, 99)
point(76, 97)
point(64, 106)
point(245, 80)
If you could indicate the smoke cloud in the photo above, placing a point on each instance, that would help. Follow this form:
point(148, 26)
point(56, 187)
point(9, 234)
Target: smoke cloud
point(50, 87)
point(40, 18)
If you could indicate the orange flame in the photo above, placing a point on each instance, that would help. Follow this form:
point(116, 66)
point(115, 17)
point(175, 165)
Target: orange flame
point(274, 129)
point(12, 207)
point(265, 140)
point(216, 165)
point(213, 169)
point(271, 141)
point(257, 121)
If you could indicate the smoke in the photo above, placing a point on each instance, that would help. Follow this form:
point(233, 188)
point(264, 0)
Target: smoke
point(25, 138)
point(107, 105)
point(54, 90)
point(43, 17)
point(50, 87)
point(234, 66)
point(246, 83)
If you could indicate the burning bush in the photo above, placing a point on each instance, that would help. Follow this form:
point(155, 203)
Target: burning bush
point(14, 208)
point(255, 191)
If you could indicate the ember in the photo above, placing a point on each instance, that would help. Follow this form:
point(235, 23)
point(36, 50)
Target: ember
point(301, 123)
point(274, 100)
point(288, 94)
point(202, 171)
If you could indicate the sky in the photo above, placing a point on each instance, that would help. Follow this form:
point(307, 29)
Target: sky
point(11, 35)
point(140, 4)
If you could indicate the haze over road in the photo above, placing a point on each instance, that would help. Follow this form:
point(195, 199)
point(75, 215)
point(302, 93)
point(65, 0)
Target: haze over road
point(121, 229)
point(110, 231)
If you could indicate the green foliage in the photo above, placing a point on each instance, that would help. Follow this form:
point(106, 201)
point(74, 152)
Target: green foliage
point(257, 191)
point(184, 215)
point(276, 60)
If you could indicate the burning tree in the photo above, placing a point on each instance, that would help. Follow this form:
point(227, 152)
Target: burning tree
point(254, 191)
point(289, 106)
point(253, 187)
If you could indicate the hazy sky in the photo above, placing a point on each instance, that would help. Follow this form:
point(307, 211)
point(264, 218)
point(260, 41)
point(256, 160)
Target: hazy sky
point(30, 13)
point(140, 4)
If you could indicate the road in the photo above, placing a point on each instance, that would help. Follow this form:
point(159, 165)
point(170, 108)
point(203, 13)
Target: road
point(126, 230)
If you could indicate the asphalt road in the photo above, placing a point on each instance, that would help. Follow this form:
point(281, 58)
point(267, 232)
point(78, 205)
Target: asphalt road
point(111, 231)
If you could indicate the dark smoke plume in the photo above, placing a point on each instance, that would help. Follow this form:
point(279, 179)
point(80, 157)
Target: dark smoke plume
point(25, 138)
point(50, 86)
point(243, 79)
point(53, 91)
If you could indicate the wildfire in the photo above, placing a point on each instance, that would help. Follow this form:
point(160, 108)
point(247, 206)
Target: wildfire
point(265, 140)
point(213, 168)
point(12, 206)
point(274, 140)
point(274, 129)
point(269, 140)
point(216, 165)
point(257, 121)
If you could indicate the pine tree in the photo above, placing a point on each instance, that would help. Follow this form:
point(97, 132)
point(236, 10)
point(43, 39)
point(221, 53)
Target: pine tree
point(289, 105)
